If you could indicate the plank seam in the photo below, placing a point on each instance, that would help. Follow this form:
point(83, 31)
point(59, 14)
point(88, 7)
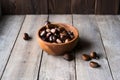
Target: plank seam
point(105, 53)
point(40, 65)
point(12, 49)
point(75, 66)
point(74, 55)
point(41, 56)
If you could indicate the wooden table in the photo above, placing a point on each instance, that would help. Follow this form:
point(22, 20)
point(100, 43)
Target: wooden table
point(25, 60)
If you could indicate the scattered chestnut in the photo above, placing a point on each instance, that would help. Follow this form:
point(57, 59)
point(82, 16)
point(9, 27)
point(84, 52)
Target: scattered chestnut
point(94, 64)
point(68, 57)
point(94, 55)
point(26, 36)
point(86, 57)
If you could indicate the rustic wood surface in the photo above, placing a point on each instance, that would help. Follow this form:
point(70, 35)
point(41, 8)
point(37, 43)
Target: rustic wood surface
point(60, 6)
point(25, 60)
point(28, 52)
point(110, 30)
point(0, 10)
point(9, 30)
point(90, 35)
point(83, 6)
point(105, 7)
point(54, 66)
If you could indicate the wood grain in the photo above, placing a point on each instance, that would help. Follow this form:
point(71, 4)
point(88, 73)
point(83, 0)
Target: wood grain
point(25, 7)
point(5, 6)
point(0, 10)
point(105, 7)
point(41, 6)
point(83, 6)
point(17, 6)
point(59, 6)
point(55, 67)
point(9, 29)
point(90, 40)
point(119, 8)
point(25, 58)
point(110, 29)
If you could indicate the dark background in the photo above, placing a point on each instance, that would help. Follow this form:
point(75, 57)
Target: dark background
point(60, 6)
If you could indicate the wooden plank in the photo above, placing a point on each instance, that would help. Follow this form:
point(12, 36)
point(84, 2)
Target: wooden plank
point(17, 6)
point(110, 29)
point(106, 7)
point(119, 8)
point(9, 29)
point(0, 10)
point(26, 55)
point(83, 6)
point(59, 6)
point(55, 67)
point(61, 18)
point(11, 7)
point(4, 6)
point(90, 40)
point(41, 6)
point(25, 6)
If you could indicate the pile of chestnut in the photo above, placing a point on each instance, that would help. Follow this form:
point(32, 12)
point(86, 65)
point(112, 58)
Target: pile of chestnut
point(55, 34)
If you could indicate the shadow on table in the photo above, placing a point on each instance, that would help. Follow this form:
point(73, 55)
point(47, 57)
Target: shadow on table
point(1, 18)
point(83, 44)
point(3, 22)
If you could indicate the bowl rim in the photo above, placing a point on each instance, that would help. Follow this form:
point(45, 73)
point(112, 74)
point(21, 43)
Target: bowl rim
point(76, 37)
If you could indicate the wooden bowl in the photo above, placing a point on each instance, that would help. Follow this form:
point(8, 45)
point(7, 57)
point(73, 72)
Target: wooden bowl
point(60, 48)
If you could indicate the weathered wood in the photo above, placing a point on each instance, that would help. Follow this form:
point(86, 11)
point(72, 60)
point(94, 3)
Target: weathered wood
point(9, 29)
point(0, 10)
point(110, 30)
point(24, 6)
point(55, 67)
point(25, 58)
point(41, 6)
point(17, 6)
point(5, 6)
point(119, 8)
point(59, 6)
point(106, 7)
point(90, 40)
point(83, 6)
